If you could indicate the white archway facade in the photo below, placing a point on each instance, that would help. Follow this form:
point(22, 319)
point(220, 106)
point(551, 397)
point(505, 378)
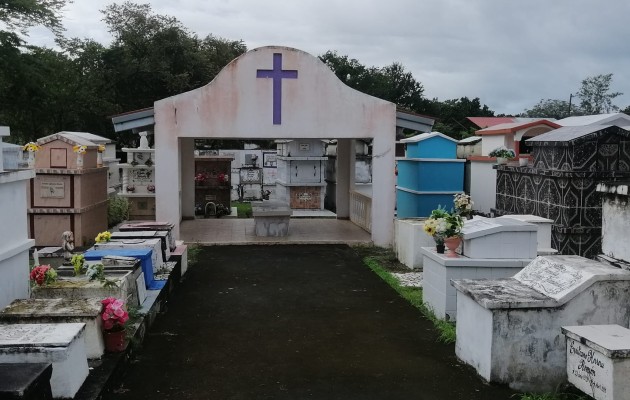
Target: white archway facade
point(276, 93)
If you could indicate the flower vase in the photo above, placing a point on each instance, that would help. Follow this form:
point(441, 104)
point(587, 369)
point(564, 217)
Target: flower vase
point(114, 341)
point(31, 159)
point(440, 248)
point(452, 243)
point(99, 159)
point(501, 160)
point(79, 161)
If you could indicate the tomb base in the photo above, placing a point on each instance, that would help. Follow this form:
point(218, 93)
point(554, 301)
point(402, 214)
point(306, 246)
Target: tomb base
point(271, 218)
point(598, 360)
point(410, 238)
point(63, 345)
point(55, 311)
point(25, 381)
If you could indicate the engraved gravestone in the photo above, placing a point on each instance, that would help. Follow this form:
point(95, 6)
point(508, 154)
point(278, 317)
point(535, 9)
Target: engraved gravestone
point(598, 360)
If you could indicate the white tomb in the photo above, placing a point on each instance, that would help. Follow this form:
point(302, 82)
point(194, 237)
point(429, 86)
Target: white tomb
point(155, 245)
point(164, 236)
point(543, 226)
point(409, 238)
point(39, 311)
point(493, 248)
point(509, 329)
point(63, 345)
point(598, 360)
point(499, 238)
point(439, 269)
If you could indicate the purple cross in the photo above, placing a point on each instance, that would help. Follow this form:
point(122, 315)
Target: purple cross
point(277, 73)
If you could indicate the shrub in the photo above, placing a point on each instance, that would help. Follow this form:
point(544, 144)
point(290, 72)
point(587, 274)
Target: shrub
point(117, 210)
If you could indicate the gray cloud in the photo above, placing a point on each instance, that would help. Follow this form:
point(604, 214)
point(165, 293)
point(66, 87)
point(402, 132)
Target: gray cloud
point(510, 54)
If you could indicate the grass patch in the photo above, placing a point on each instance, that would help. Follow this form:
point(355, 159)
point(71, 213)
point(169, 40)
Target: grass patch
point(383, 262)
point(193, 254)
point(243, 210)
point(551, 396)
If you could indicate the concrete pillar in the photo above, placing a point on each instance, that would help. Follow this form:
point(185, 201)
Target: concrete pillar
point(187, 152)
point(383, 188)
point(4, 131)
point(167, 176)
point(344, 175)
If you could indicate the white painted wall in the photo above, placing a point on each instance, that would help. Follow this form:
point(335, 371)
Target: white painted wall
point(483, 189)
point(491, 142)
point(15, 244)
point(409, 240)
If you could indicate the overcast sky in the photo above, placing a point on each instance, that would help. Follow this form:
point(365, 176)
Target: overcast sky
point(509, 53)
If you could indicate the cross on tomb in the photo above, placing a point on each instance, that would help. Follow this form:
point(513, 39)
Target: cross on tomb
point(277, 74)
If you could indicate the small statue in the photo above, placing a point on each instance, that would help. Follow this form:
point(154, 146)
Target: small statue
point(67, 244)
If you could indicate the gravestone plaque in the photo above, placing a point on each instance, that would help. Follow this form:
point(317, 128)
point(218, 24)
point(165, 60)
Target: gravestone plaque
point(250, 175)
point(52, 190)
point(553, 277)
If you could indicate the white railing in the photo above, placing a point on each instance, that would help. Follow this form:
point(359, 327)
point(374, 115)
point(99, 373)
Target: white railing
point(361, 210)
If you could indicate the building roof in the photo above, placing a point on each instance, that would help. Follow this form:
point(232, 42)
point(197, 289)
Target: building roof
point(413, 121)
point(90, 136)
point(68, 137)
point(597, 119)
point(425, 136)
point(470, 140)
point(512, 127)
point(484, 122)
point(574, 133)
point(134, 119)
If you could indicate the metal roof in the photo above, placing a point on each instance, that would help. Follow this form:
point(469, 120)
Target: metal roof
point(570, 133)
point(512, 127)
point(134, 119)
point(413, 121)
point(597, 119)
point(425, 136)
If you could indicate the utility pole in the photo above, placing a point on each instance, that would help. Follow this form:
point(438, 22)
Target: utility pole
point(570, 99)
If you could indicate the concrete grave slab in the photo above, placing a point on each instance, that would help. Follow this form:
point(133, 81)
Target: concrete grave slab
point(63, 345)
point(54, 311)
point(509, 329)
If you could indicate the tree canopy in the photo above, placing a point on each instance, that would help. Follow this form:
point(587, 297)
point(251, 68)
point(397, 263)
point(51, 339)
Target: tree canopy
point(595, 98)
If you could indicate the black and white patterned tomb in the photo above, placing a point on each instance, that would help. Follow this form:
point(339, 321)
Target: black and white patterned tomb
point(568, 164)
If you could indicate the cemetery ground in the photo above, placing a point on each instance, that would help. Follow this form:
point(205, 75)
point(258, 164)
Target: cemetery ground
point(291, 322)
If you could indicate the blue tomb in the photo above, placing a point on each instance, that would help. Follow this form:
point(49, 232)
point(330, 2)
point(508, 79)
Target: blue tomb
point(144, 255)
point(429, 175)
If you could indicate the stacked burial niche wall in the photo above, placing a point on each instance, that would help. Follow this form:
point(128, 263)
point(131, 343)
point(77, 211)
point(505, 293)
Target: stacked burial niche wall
point(561, 185)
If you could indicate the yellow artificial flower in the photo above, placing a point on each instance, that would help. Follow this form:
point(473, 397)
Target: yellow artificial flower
point(101, 148)
point(31, 146)
point(79, 149)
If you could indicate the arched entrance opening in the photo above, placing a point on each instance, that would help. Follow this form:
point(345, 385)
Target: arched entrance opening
point(276, 93)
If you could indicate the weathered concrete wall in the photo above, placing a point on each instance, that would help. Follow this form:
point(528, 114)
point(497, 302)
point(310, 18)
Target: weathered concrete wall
point(615, 225)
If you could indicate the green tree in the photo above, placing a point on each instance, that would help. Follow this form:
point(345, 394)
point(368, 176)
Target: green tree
point(552, 109)
point(390, 83)
point(452, 115)
point(154, 56)
point(594, 95)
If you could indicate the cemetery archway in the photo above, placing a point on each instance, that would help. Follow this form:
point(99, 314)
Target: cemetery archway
point(276, 93)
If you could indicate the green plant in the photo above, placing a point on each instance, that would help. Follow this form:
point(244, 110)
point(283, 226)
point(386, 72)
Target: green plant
point(414, 296)
point(243, 210)
point(502, 152)
point(117, 210)
point(551, 396)
point(96, 272)
point(77, 262)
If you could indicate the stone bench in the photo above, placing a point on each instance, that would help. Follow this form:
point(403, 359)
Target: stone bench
point(63, 345)
point(52, 311)
point(271, 218)
point(25, 381)
point(598, 360)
